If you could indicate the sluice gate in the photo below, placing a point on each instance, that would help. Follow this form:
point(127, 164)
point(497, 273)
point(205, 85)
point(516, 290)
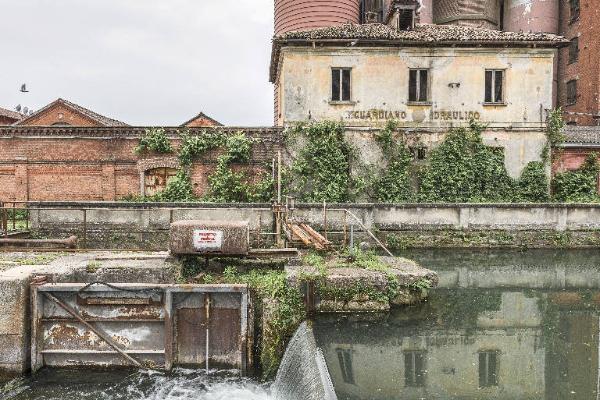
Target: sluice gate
point(140, 325)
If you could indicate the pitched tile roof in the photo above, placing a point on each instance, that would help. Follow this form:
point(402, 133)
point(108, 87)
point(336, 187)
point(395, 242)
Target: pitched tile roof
point(422, 35)
point(582, 136)
point(201, 115)
point(100, 119)
point(10, 114)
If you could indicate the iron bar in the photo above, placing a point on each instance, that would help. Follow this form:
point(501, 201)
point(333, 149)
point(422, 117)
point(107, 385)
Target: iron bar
point(69, 243)
point(100, 334)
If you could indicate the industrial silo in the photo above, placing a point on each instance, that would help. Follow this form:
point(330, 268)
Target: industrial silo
point(479, 13)
point(532, 15)
point(426, 11)
point(293, 15)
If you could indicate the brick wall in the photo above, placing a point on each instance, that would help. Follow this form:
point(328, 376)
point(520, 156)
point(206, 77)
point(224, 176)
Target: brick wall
point(587, 69)
point(570, 159)
point(96, 164)
point(6, 120)
point(59, 114)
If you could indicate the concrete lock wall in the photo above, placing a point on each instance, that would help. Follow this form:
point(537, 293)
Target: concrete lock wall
point(149, 225)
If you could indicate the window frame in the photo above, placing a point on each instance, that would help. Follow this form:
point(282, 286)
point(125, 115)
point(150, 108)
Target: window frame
point(574, 12)
point(491, 380)
point(341, 99)
point(502, 101)
point(427, 101)
point(418, 377)
point(574, 54)
point(571, 101)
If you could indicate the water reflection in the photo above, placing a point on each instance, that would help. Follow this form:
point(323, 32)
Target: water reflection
point(530, 332)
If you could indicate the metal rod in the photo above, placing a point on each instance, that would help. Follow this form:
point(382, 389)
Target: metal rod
point(69, 243)
point(85, 229)
point(325, 219)
point(207, 354)
point(100, 334)
point(351, 238)
point(370, 233)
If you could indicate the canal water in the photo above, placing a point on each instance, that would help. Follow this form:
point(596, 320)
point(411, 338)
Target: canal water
point(503, 325)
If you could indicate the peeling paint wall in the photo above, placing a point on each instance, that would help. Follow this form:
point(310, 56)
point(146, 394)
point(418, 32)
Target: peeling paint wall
point(380, 80)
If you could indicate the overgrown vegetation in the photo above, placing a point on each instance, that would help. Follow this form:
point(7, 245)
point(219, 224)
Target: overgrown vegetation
point(393, 183)
point(464, 170)
point(225, 184)
point(322, 169)
point(580, 185)
point(326, 167)
point(154, 139)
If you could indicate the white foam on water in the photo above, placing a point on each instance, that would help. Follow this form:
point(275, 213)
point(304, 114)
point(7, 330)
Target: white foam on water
point(181, 384)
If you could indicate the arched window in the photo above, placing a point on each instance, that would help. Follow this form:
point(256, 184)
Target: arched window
point(156, 179)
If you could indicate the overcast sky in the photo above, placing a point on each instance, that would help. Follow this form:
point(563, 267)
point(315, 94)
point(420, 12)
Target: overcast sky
point(144, 62)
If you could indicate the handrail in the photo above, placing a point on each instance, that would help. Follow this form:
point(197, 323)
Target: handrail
point(369, 232)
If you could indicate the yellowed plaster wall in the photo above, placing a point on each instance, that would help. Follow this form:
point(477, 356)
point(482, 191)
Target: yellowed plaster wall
point(380, 83)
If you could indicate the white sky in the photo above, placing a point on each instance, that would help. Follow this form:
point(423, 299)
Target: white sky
point(144, 62)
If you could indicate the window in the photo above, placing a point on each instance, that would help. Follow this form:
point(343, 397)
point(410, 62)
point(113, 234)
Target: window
point(418, 86)
point(571, 92)
point(371, 11)
point(488, 369)
point(418, 153)
point(406, 19)
point(574, 50)
point(156, 180)
point(345, 360)
point(574, 6)
point(414, 368)
point(340, 84)
point(494, 86)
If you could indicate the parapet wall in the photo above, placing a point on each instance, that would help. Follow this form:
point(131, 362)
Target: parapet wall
point(129, 224)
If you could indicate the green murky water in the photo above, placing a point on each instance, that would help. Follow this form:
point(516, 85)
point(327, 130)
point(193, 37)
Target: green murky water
point(503, 325)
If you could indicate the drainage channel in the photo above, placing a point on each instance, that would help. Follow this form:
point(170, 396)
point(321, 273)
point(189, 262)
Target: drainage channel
point(140, 325)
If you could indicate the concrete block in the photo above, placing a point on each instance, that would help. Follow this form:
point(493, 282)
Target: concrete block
point(210, 238)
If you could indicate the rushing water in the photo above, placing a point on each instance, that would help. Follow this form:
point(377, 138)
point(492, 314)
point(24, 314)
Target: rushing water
point(503, 325)
point(133, 385)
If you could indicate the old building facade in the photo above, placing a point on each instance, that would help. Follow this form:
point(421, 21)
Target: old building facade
point(429, 78)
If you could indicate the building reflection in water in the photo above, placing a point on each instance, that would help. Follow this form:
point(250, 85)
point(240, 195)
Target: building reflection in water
point(470, 343)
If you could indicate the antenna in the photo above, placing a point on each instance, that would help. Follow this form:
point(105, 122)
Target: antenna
point(24, 88)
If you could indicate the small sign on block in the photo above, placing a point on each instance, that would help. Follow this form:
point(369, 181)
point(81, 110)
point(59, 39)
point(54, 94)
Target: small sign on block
point(205, 240)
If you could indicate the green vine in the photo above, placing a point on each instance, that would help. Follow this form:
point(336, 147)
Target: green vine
point(393, 185)
point(322, 169)
point(463, 169)
point(224, 184)
point(154, 139)
point(555, 136)
point(581, 185)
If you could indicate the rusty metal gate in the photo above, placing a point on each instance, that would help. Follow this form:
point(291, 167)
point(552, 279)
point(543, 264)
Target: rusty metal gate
point(150, 326)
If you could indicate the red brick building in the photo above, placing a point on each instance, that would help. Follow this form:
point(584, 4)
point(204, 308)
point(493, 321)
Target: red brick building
point(64, 113)
point(8, 117)
point(579, 64)
point(201, 121)
point(94, 163)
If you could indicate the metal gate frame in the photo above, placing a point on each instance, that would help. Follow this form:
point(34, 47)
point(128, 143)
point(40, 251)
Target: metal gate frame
point(51, 293)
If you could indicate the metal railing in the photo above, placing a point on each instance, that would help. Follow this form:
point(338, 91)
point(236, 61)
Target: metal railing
point(20, 216)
